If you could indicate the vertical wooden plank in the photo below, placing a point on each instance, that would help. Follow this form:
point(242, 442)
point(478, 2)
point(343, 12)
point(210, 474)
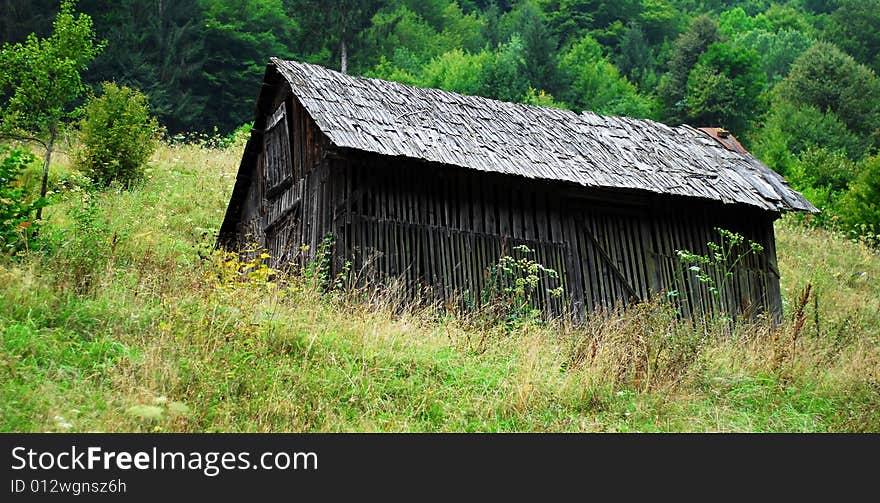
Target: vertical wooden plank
point(504, 211)
point(573, 263)
point(478, 201)
point(649, 255)
point(541, 233)
point(555, 216)
point(530, 214)
point(516, 212)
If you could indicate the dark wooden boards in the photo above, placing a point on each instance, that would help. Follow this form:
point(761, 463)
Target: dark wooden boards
point(439, 229)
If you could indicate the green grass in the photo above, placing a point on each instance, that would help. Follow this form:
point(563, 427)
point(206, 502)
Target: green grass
point(118, 325)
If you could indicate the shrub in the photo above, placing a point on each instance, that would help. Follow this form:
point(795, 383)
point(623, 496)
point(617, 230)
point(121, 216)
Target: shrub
point(861, 205)
point(823, 177)
point(16, 220)
point(118, 135)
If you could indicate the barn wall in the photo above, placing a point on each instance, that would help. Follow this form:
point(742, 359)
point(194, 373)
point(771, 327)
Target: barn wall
point(442, 227)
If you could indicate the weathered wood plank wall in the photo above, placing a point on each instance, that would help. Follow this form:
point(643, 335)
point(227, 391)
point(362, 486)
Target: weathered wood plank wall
point(445, 227)
point(440, 227)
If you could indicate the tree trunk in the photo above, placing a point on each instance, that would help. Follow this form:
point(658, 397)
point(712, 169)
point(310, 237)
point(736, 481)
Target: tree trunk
point(343, 54)
point(44, 187)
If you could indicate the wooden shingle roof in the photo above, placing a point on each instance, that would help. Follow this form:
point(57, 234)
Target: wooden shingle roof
point(590, 150)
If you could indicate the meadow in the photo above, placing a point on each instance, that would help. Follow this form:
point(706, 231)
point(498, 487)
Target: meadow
point(126, 320)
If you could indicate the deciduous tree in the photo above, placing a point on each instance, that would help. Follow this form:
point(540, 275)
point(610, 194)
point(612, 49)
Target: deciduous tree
point(42, 81)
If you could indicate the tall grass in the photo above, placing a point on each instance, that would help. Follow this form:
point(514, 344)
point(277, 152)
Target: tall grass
point(123, 322)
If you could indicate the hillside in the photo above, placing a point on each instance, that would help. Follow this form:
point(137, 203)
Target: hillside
point(126, 321)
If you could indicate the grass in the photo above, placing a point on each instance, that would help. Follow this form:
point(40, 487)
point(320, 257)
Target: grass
point(120, 324)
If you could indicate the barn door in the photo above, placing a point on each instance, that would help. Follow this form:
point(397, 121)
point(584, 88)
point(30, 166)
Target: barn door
point(614, 252)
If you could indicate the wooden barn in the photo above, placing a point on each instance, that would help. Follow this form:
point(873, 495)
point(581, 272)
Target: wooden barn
point(432, 187)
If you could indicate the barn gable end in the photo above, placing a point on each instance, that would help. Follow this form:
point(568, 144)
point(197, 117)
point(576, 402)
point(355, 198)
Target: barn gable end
point(432, 187)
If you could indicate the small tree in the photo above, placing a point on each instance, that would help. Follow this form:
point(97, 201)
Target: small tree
point(117, 136)
point(41, 82)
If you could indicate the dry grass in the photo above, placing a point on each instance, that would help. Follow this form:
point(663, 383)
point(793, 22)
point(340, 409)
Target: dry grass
point(119, 325)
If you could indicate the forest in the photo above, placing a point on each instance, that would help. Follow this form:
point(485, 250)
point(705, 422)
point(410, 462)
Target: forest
point(795, 81)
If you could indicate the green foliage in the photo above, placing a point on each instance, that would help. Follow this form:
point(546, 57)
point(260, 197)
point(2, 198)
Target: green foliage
point(861, 205)
point(515, 284)
point(16, 210)
point(504, 75)
point(821, 167)
point(403, 39)
point(634, 61)
point(716, 268)
point(790, 130)
point(239, 137)
point(239, 36)
point(386, 70)
point(736, 22)
point(456, 71)
point(823, 176)
point(462, 30)
point(787, 17)
point(660, 20)
point(777, 50)
point(331, 28)
point(528, 23)
point(41, 81)
point(855, 28)
point(832, 81)
point(42, 78)
point(117, 136)
point(724, 88)
point(573, 19)
point(160, 49)
point(702, 33)
point(597, 86)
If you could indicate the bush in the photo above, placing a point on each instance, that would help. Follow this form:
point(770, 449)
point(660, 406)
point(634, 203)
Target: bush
point(861, 205)
point(118, 135)
point(16, 221)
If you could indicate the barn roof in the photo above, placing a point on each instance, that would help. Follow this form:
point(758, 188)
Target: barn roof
point(394, 119)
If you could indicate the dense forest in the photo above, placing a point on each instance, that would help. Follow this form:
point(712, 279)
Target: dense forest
point(795, 81)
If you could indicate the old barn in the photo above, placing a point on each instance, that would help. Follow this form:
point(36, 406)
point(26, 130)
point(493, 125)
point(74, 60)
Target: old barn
point(432, 187)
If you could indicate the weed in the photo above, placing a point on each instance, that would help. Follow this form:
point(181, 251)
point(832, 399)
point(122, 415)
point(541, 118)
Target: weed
point(716, 268)
point(515, 286)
